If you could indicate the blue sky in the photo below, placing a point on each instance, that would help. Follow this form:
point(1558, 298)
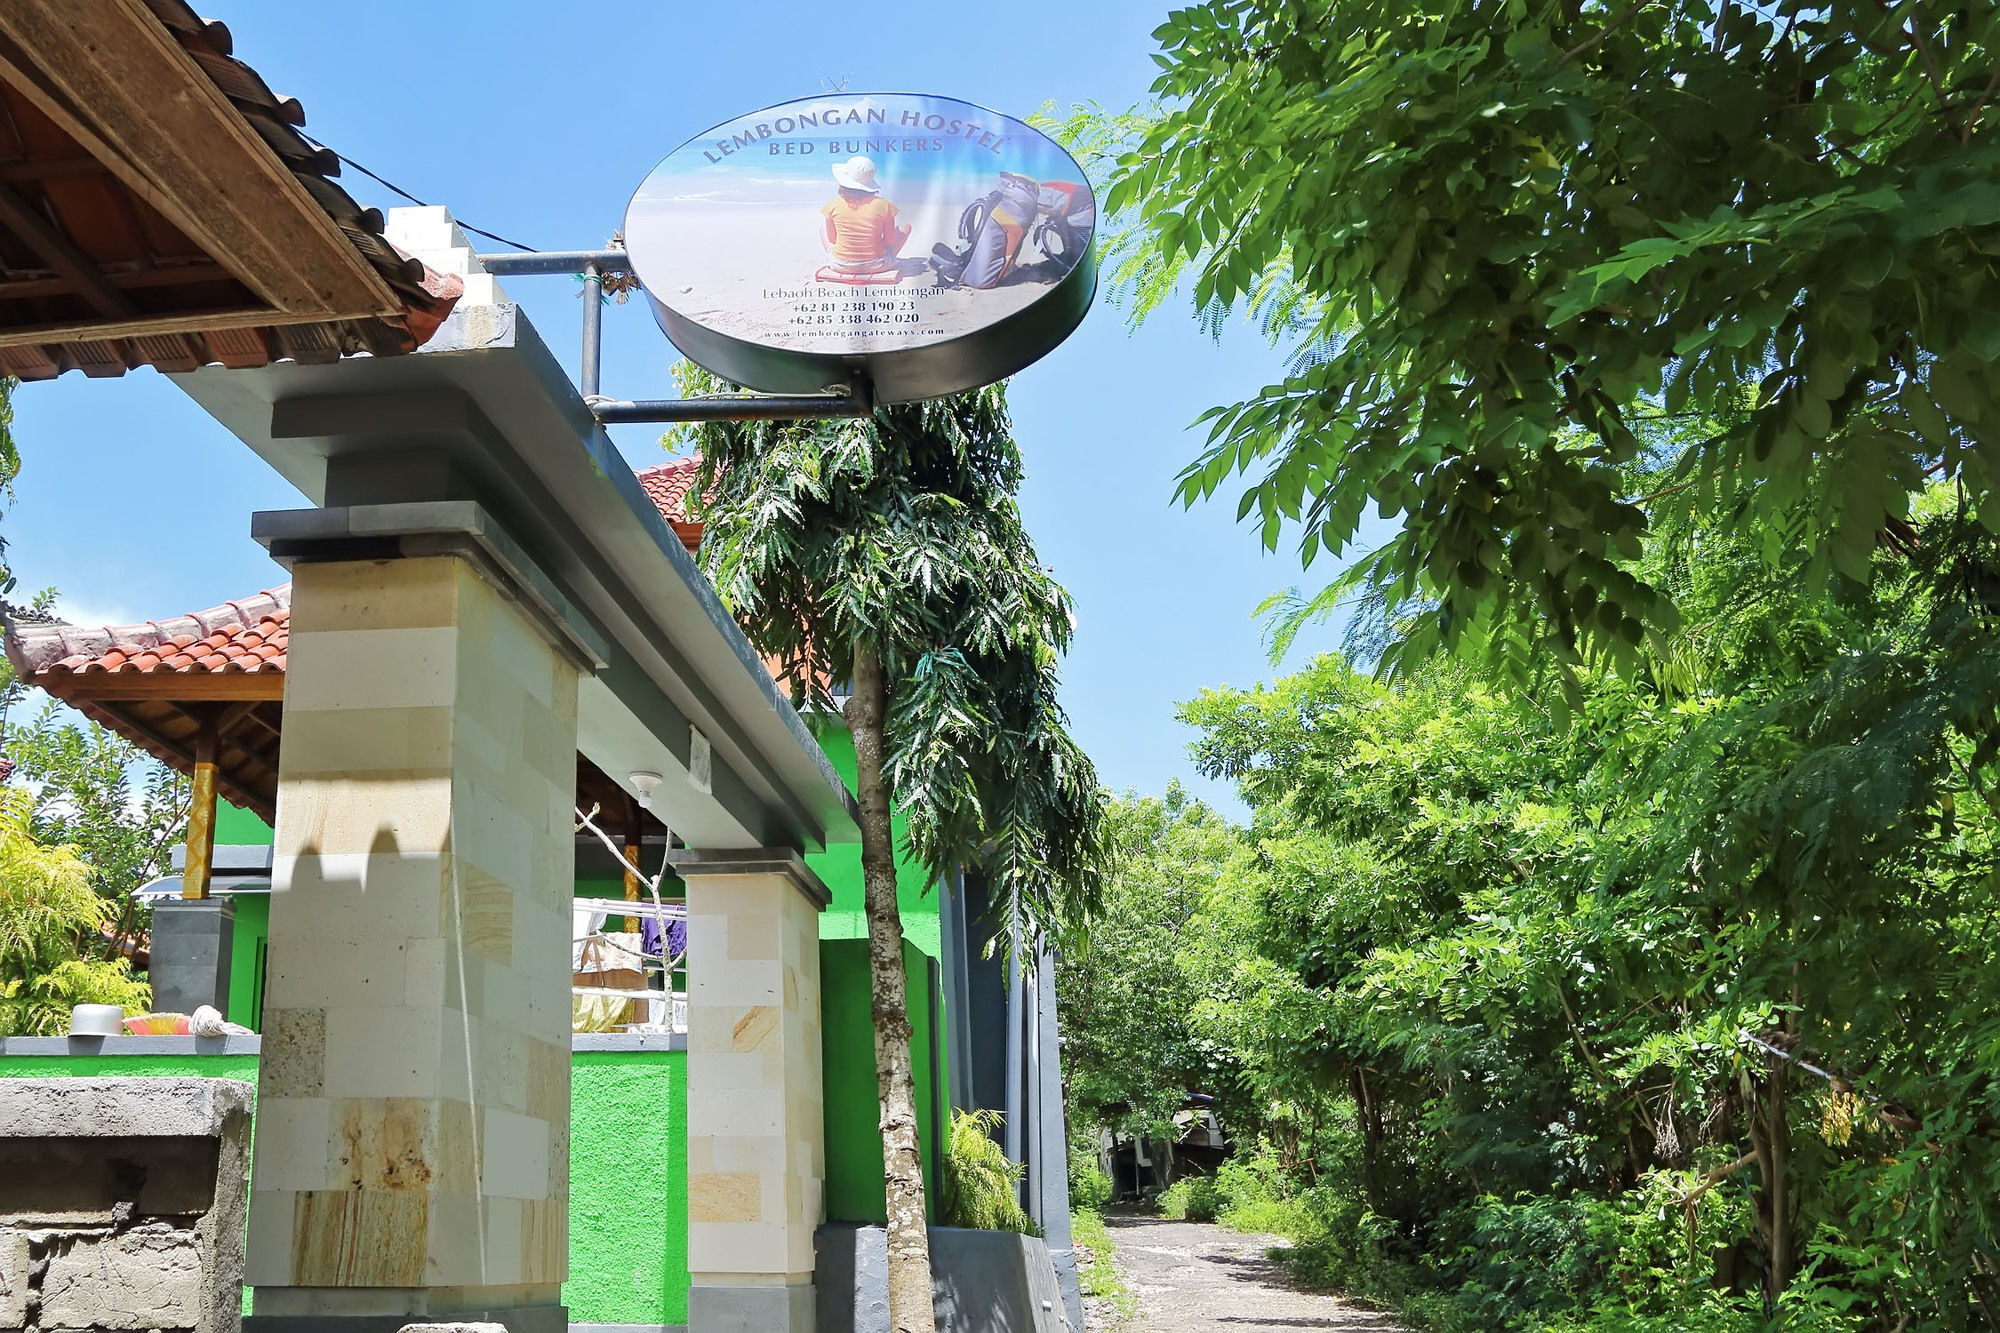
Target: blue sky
point(538, 121)
point(701, 166)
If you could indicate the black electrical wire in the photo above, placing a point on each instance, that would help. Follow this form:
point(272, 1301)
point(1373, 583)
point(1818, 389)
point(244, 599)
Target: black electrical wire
point(391, 185)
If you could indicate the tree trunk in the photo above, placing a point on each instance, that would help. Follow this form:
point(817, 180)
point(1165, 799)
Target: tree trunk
point(902, 1160)
point(1770, 1143)
point(1780, 1153)
point(1370, 1116)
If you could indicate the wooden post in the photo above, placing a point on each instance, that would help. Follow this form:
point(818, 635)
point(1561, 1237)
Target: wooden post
point(201, 809)
point(632, 845)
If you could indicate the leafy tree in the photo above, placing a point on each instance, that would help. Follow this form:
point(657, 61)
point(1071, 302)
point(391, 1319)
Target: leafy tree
point(1721, 945)
point(121, 810)
point(887, 553)
point(47, 910)
point(1130, 1053)
point(1508, 236)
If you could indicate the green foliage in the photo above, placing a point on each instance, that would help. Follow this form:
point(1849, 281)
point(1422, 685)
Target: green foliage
point(47, 909)
point(92, 790)
point(122, 811)
point(1557, 272)
point(1130, 1053)
point(1193, 1199)
point(1089, 1188)
point(1097, 1271)
point(901, 531)
point(1672, 1012)
point(982, 1187)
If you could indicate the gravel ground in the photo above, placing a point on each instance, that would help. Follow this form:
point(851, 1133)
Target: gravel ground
point(1195, 1277)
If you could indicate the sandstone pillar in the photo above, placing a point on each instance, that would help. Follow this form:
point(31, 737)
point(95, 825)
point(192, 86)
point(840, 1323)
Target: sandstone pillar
point(412, 1139)
point(756, 1131)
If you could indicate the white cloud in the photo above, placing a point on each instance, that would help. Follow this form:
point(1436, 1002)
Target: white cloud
point(96, 613)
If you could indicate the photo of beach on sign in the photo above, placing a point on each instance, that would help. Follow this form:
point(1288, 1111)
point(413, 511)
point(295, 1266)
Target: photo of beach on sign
point(854, 225)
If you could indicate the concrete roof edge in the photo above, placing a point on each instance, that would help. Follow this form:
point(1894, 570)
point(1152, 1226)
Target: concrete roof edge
point(781, 861)
point(626, 481)
point(581, 495)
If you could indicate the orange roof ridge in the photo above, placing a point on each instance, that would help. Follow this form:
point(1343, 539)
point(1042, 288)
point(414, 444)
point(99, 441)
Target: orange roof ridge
point(247, 634)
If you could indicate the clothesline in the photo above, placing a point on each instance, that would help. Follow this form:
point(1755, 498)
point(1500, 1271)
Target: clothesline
point(617, 993)
point(605, 941)
point(632, 907)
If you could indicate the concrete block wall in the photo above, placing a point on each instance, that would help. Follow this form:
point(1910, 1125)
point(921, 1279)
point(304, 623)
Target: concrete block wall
point(122, 1204)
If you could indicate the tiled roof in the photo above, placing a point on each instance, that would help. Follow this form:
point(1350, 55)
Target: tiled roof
point(668, 484)
point(247, 635)
point(241, 636)
point(157, 684)
point(97, 252)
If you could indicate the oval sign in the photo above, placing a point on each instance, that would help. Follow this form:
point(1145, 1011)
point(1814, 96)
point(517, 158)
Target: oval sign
point(928, 244)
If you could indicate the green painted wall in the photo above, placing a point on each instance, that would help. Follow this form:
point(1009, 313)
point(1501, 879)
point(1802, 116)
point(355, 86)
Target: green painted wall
point(237, 827)
point(628, 1169)
point(249, 938)
point(242, 1068)
point(854, 1188)
point(628, 1188)
point(840, 867)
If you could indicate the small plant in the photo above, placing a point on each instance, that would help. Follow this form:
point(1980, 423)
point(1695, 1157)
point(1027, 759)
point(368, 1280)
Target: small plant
point(1193, 1199)
point(982, 1189)
point(1097, 1273)
point(48, 911)
point(1089, 1187)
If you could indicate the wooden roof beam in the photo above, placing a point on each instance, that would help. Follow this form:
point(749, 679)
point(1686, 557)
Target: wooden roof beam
point(142, 326)
point(165, 686)
point(174, 754)
point(111, 75)
point(174, 275)
point(76, 268)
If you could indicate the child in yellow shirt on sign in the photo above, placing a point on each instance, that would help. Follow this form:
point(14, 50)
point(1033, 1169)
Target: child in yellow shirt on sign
point(862, 233)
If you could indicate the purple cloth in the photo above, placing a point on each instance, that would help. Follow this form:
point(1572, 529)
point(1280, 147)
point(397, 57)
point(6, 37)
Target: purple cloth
point(677, 937)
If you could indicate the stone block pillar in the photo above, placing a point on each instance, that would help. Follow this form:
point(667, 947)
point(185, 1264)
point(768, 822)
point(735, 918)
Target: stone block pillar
point(412, 1142)
point(192, 941)
point(756, 1127)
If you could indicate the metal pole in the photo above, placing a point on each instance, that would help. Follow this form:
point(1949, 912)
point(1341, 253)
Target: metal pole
point(770, 407)
point(593, 326)
point(1015, 1089)
point(1038, 1161)
point(513, 264)
point(855, 401)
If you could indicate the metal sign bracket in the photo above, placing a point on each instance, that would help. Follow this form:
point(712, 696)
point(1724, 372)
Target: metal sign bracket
point(849, 400)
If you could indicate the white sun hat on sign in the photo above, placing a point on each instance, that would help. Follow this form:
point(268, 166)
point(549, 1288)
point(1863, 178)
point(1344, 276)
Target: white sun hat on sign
point(857, 173)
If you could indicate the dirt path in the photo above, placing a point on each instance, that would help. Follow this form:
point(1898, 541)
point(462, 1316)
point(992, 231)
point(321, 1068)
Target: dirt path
point(1195, 1277)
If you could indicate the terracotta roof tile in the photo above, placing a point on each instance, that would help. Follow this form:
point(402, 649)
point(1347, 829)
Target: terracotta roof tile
point(667, 485)
point(246, 635)
point(252, 633)
point(89, 205)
